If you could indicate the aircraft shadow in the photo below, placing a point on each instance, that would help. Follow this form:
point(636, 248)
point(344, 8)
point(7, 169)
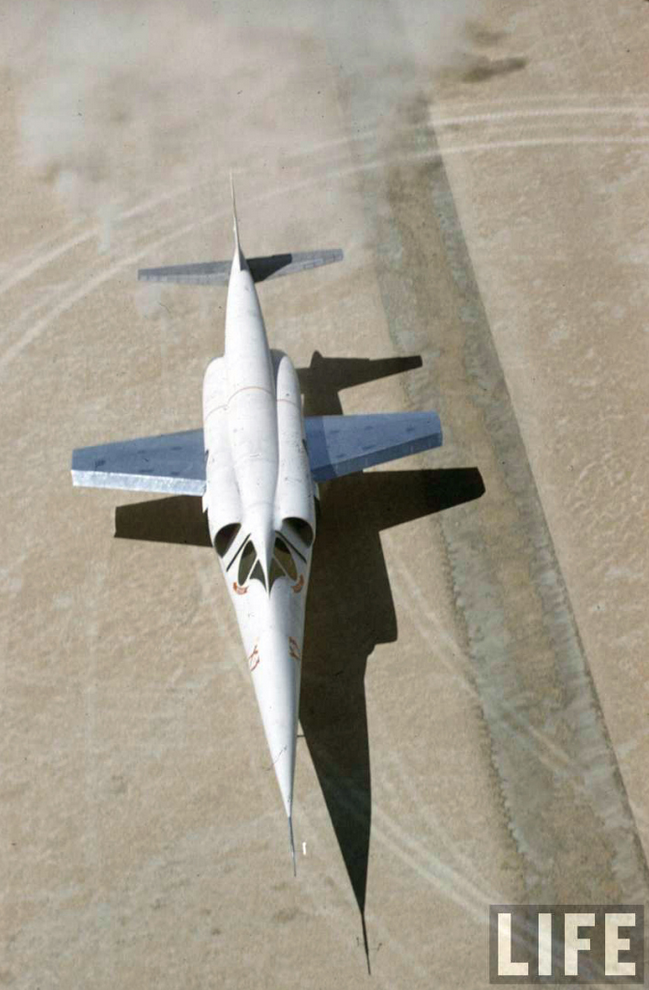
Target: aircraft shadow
point(350, 612)
point(350, 609)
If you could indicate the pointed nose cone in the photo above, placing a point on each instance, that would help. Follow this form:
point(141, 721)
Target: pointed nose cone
point(276, 678)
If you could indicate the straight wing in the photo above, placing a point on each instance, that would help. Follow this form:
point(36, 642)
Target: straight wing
point(340, 445)
point(173, 463)
point(261, 269)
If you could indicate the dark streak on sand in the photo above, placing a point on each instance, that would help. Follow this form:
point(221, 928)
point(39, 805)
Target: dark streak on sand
point(485, 69)
point(554, 769)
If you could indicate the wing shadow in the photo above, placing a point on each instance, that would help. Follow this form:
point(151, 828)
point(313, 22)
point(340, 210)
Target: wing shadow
point(389, 498)
point(326, 377)
point(178, 519)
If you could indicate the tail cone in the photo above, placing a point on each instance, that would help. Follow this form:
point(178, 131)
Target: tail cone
point(238, 253)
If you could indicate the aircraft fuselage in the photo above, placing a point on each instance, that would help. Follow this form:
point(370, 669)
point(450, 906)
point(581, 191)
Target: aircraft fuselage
point(261, 509)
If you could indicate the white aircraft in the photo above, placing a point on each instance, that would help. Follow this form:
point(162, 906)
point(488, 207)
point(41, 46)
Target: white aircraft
point(257, 463)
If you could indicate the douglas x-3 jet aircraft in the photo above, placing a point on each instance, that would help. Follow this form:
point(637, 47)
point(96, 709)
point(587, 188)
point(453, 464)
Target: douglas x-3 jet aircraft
point(256, 464)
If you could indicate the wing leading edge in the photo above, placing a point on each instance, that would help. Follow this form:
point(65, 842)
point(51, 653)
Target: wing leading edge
point(175, 462)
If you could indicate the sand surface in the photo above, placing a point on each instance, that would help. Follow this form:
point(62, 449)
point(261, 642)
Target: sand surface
point(475, 707)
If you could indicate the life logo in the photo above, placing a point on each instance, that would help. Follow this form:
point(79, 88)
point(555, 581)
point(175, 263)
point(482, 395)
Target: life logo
point(567, 943)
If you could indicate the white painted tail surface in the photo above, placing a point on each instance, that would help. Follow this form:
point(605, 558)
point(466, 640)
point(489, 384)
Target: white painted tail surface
point(235, 226)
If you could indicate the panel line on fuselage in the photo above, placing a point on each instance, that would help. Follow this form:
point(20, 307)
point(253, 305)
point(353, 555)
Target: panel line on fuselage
point(253, 388)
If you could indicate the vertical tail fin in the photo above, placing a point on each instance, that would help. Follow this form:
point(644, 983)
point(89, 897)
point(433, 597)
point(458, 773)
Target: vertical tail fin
point(235, 225)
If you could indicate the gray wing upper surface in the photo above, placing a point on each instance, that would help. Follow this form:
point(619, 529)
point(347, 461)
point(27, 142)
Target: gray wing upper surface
point(340, 445)
point(175, 462)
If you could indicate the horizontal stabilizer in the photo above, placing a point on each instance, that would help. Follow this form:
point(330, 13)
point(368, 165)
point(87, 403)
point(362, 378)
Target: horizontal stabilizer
point(261, 269)
point(203, 273)
point(340, 445)
point(173, 464)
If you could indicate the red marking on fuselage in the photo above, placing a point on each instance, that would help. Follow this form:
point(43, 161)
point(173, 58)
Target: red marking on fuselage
point(254, 658)
point(238, 590)
point(293, 649)
point(298, 587)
